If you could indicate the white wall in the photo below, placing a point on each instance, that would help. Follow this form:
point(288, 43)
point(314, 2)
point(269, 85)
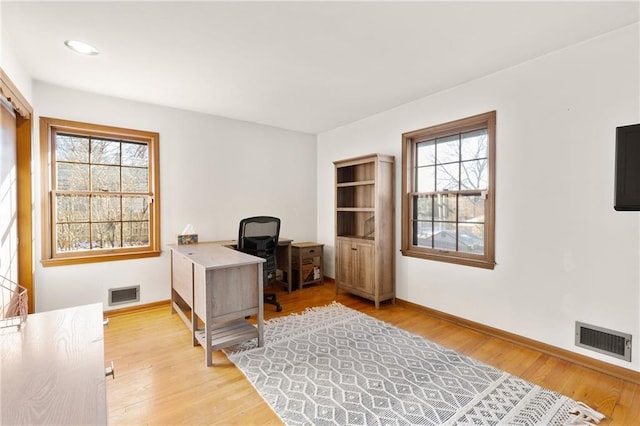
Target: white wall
point(563, 253)
point(213, 172)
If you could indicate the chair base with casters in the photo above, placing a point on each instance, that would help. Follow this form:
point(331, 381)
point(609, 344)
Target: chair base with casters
point(258, 236)
point(269, 277)
point(270, 298)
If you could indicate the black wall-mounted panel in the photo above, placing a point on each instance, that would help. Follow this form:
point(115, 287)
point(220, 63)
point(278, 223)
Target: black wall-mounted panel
point(627, 175)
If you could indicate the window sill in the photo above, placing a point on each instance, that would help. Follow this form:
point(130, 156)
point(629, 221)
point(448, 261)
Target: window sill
point(76, 260)
point(450, 257)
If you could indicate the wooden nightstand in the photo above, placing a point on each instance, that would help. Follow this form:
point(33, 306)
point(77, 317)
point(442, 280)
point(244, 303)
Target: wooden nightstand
point(307, 263)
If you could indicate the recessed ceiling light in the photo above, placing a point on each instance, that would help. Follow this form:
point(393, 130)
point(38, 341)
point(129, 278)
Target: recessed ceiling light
point(81, 47)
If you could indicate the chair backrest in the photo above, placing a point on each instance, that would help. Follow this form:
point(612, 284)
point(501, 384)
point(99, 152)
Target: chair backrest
point(258, 236)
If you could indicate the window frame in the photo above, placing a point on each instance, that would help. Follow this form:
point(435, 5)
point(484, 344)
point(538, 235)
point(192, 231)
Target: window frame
point(49, 127)
point(409, 142)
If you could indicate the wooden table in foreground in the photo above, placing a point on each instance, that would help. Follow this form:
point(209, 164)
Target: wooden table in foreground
point(52, 369)
point(213, 289)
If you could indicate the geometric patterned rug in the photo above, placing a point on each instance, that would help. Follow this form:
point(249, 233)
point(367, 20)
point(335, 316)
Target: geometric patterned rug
point(333, 365)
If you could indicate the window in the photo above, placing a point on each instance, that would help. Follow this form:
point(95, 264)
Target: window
point(100, 193)
point(448, 187)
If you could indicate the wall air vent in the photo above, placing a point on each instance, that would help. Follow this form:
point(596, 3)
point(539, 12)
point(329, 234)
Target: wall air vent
point(602, 340)
point(124, 295)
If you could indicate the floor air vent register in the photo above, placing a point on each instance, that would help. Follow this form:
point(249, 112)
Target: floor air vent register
point(602, 340)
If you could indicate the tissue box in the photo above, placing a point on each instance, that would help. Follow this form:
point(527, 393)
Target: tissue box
point(187, 239)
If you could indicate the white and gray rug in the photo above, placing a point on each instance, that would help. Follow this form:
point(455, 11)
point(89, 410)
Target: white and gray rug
point(333, 365)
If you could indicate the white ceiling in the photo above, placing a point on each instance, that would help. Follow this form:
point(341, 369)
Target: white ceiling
point(306, 66)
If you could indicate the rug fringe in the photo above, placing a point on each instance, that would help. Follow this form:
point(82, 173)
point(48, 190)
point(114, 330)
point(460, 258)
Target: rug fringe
point(582, 414)
point(309, 310)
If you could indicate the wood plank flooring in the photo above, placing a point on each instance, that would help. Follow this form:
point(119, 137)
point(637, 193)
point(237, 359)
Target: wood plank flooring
point(161, 379)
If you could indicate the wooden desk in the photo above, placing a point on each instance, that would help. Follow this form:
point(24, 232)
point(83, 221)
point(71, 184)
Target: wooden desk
point(53, 369)
point(213, 289)
point(283, 258)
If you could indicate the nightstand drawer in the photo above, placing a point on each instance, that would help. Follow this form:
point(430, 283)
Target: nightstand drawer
point(307, 252)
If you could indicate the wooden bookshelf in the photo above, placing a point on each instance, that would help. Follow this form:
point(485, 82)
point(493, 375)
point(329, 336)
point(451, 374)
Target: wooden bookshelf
point(365, 240)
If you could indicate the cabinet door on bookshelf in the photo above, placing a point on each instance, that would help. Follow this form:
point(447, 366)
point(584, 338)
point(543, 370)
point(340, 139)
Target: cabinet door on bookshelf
point(355, 266)
point(365, 267)
point(344, 264)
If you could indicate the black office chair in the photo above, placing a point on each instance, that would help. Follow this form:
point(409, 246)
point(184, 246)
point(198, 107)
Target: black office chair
point(258, 236)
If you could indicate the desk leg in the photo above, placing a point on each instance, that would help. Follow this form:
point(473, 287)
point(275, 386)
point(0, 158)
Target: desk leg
point(208, 321)
point(194, 328)
point(283, 253)
point(260, 306)
point(289, 276)
point(207, 344)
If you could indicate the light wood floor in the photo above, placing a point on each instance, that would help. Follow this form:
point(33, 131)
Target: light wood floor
point(161, 379)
